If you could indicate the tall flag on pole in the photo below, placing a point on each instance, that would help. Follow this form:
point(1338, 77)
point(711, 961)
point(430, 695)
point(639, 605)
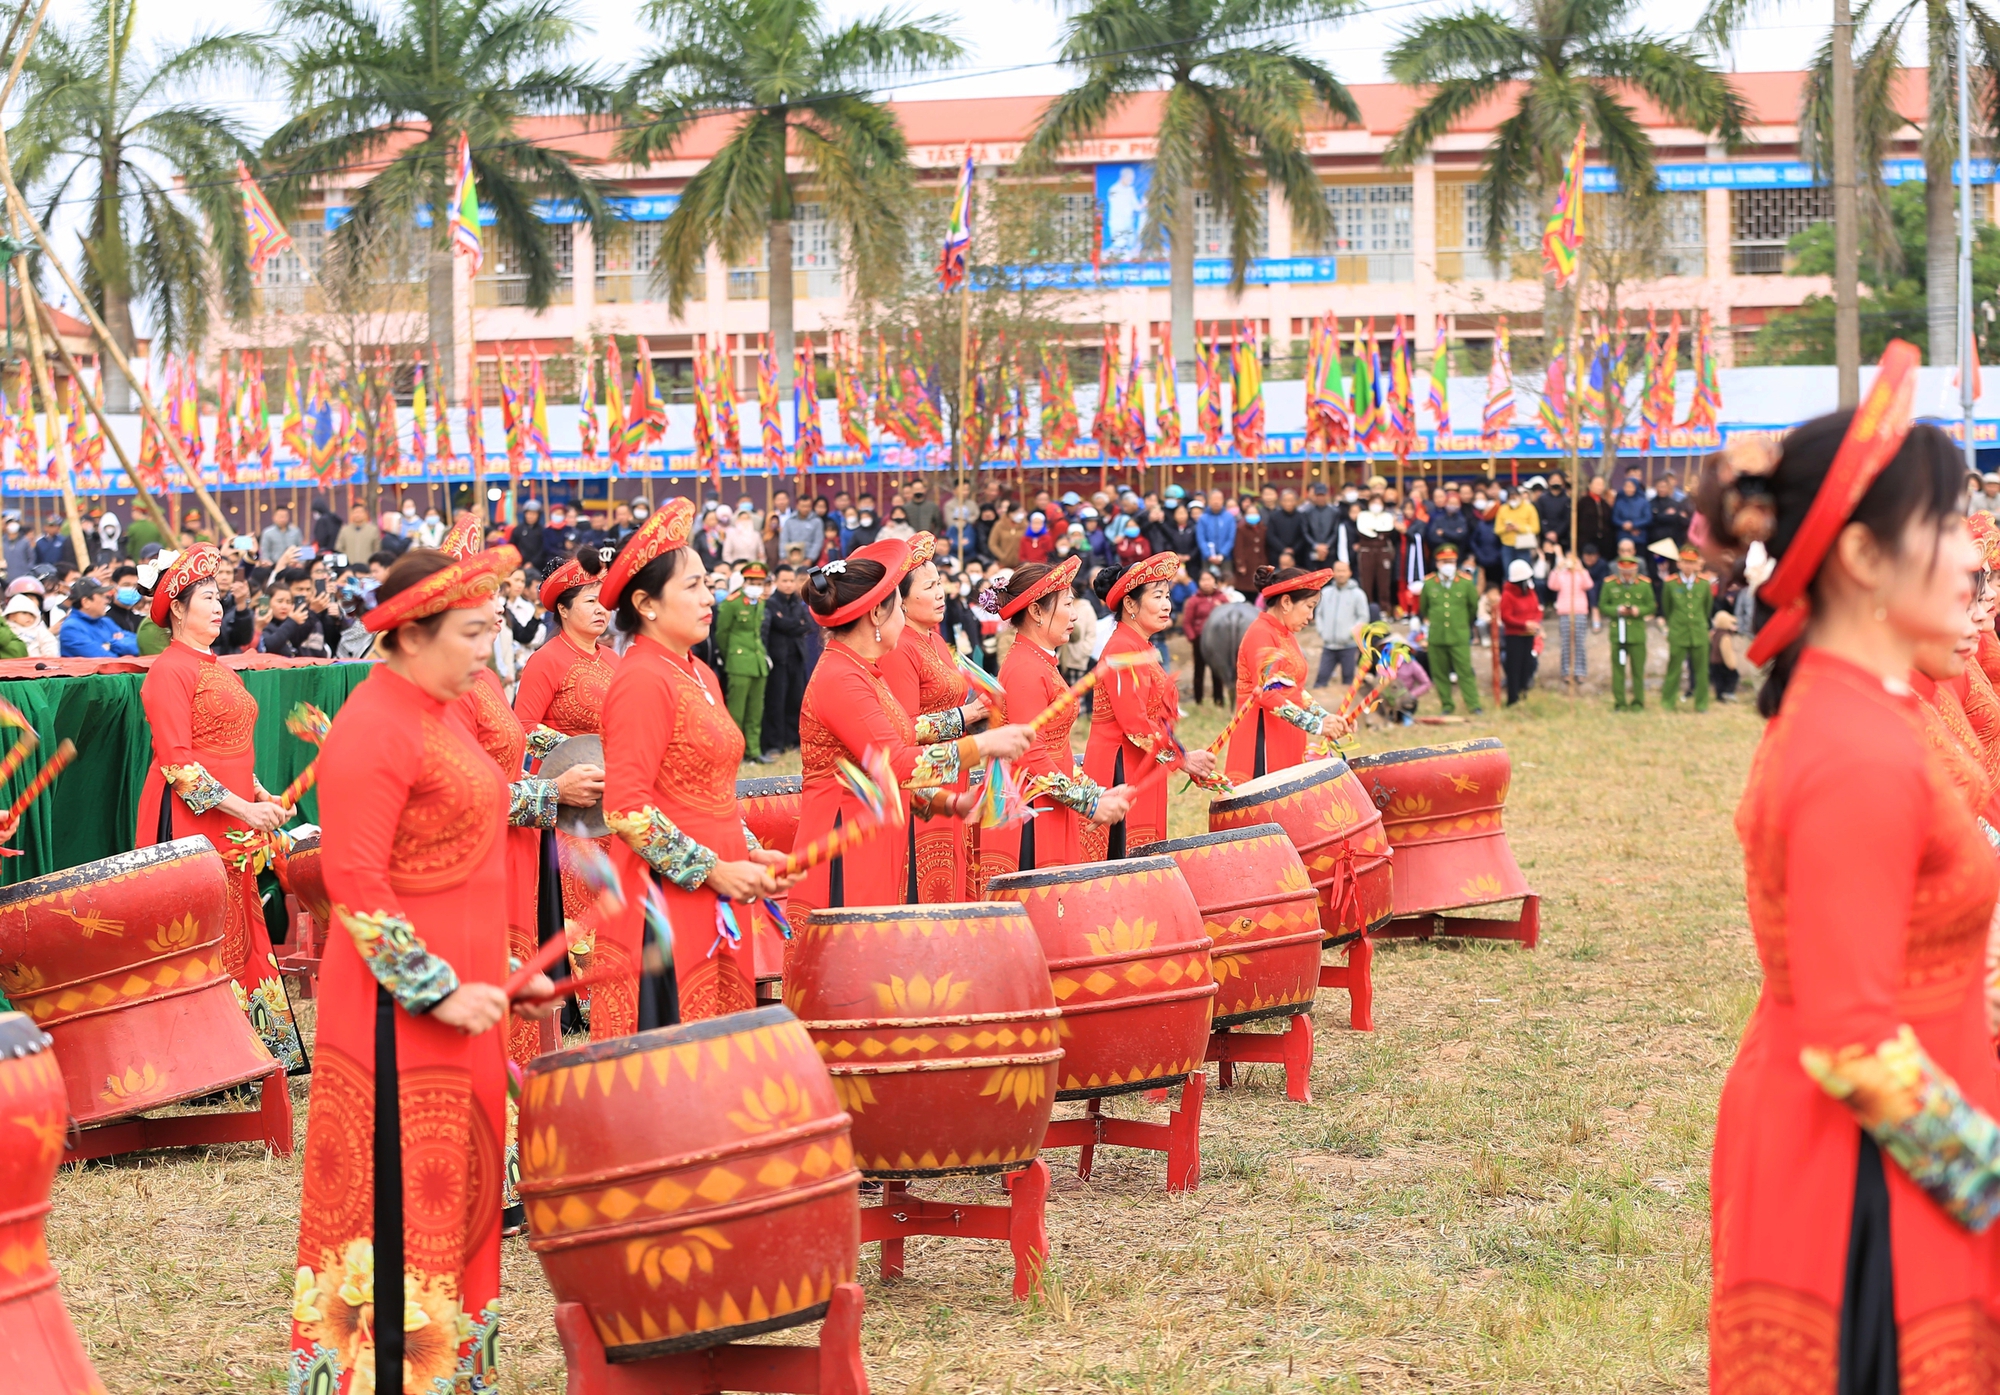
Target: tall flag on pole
point(1246, 423)
point(1438, 398)
point(1554, 411)
point(1402, 413)
point(808, 440)
point(1208, 392)
point(441, 416)
point(958, 234)
point(419, 413)
point(465, 208)
point(1562, 240)
point(850, 391)
point(770, 420)
point(1706, 403)
point(586, 411)
point(1166, 399)
point(1106, 425)
point(264, 235)
point(1499, 414)
point(1367, 392)
point(614, 405)
point(1327, 421)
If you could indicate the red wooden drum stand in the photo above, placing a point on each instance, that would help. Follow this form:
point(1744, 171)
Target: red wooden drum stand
point(300, 874)
point(939, 1028)
point(39, 1350)
point(1338, 832)
point(1129, 965)
point(831, 1368)
point(1444, 808)
point(686, 1188)
point(1261, 909)
point(121, 962)
point(771, 812)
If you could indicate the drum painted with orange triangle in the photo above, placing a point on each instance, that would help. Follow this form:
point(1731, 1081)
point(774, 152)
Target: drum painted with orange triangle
point(1444, 809)
point(692, 1185)
point(1326, 812)
point(300, 873)
point(1129, 966)
point(121, 961)
point(1262, 911)
point(770, 809)
point(939, 1028)
point(39, 1350)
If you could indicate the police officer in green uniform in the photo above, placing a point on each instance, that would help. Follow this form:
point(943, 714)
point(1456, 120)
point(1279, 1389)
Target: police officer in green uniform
point(739, 635)
point(1685, 605)
point(1626, 600)
point(1447, 604)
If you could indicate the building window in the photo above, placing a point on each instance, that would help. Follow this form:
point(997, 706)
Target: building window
point(1211, 228)
point(815, 260)
point(1684, 249)
point(625, 256)
point(1762, 221)
point(1075, 224)
point(1371, 231)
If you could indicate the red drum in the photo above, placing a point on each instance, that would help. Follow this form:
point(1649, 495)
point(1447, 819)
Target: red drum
point(1260, 908)
point(120, 961)
point(939, 1028)
point(1129, 966)
point(1326, 812)
point(39, 1350)
point(300, 873)
point(1442, 807)
point(771, 809)
point(692, 1185)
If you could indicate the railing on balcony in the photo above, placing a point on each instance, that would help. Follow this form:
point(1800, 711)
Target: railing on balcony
point(491, 291)
point(819, 283)
point(1758, 258)
point(1374, 268)
point(634, 287)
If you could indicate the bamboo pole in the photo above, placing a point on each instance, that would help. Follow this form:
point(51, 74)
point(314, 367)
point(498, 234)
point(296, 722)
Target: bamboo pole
point(104, 425)
point(46, 386)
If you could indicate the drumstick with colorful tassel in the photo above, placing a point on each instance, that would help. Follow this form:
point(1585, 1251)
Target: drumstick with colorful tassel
point(602, 878)
point(10, 716)
point(46, 776)
point(1073, 695)
point(880, 793)
point(310, 724)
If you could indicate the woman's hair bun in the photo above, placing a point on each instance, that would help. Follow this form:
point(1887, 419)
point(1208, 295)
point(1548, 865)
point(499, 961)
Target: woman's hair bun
point(840, 583)
point(1263, 577)
point(589, 561)
point(1105, 579)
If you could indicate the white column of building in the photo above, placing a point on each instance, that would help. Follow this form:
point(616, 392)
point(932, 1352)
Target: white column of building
point(582, 282)
point(1716, 284)
point(1423, 253)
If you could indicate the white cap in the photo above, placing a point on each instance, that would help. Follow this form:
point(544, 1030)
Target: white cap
point(1536, 483)
point(1519, 570)
point(23, 604)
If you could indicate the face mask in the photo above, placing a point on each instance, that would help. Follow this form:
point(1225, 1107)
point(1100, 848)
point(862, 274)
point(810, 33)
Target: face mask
point(1251, 517)
point(753, 593)
point(852, 520)
point(432, 518)
point(1447, 570)
point(409, 510)
point(126, 596)
point(867, 519)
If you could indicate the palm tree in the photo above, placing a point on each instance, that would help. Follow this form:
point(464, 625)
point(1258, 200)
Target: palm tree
point(99, 122)
point(795, 87)
point(1878, 121)
point(390, 91)
point(1236, 99)
point(1560, 63)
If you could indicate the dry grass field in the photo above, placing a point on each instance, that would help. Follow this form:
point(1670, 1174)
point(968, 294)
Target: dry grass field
point(1504, 1187)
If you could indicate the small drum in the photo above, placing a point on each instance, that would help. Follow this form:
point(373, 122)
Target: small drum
point(1129, 966)
point(690, 1186)
point(120, 961)
point(938, 1026)
point(301, 874)
point(39, 1349)
point(1327, 814)
point(577, 820)
point(1261, 909)
point(770, 809)
point(1443, 809)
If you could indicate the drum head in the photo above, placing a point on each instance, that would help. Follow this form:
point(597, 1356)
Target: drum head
point(1264, 787)
point(582, 821)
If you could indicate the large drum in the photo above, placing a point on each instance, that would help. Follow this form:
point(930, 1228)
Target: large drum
point(1326, 812)
point(690, 1186)
point(1261, 909)
point(771, 809)
point(939, 1028)
point(301, 874)
point(39, 1350)
point(120, 961)
point(1129, 965)
point(1442, 807)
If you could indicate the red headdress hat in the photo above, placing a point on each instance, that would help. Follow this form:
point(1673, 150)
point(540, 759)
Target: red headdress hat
point(667, 528)
point(1059, 579)
point(465, 583)
point(1880, 425)
point(463, 540)
point(1310, 581)
point(1161, 566)
point(198, 563)
point(562, 579)
point(923, 548)
point(893, 554)
point(1986, 533)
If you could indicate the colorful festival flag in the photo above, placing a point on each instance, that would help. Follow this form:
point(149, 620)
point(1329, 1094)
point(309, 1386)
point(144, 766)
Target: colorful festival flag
point(1246, 425)
point(1499, 413)
point(1553, 413)
point(770, 419)
point(465, 208)
point(958, 233)
point(1208, 392)
point(586, 411)
point(1562, 239)
point(1166, 399)
point(1438, 398)
point(264, 235)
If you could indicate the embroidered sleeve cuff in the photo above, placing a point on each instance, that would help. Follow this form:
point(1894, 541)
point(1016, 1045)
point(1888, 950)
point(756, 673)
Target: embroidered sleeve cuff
point(532, 804)
point(1077, 792)
point(543, 740)
point(393, 951)
point(1949, 1147)
point(1311, 720)
point(947, 725)
point(936, 765)
point(750, 842)
point(667, 850)
point(198, 789)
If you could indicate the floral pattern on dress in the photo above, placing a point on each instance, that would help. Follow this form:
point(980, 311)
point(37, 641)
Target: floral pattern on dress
point(947, 725)
point(198, 789)
point(393, 951)
point(667, 850)
point(542, 741)
point(531, 803)
point(445, 1350)
point(270, 1014)
point(1916, 1113)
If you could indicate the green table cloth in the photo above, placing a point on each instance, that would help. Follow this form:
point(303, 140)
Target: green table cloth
point(92, 811)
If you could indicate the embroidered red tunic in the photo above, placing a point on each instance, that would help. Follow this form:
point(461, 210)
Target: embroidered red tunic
point(1032, 683)
point(1132, 710)
point(412, 814)
point(1869, 895)
point(203, 720)
point(564, 687)
point(923, 673)
point(1264, 742)
point(670, 760)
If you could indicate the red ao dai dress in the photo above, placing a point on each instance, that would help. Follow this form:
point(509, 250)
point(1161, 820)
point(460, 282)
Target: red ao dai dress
point(203, 720)
point(403, 1161)
point(1855, 1151)
point(670, 760)
point(1131, 731)
point(922, 672)
point(1271, 738)
point(1053, 837)
point(564, 689)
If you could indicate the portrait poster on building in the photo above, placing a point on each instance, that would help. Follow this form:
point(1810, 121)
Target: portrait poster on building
point(1121, 204)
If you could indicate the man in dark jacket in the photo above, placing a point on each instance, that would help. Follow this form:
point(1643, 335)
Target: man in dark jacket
point(326, 526)
point(1553, 506)
point(1285, 528)
point(529, 538)
point(1450, 524)
point(1669, 522)
point(1593, 519)
point(786, 623)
